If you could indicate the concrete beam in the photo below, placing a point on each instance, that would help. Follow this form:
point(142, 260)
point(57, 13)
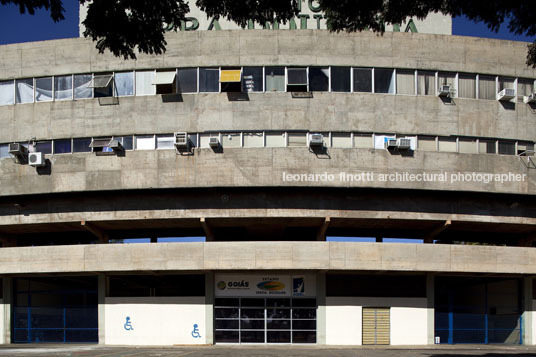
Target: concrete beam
point(209, 233)
point(237, 256)
point(429, 238)
point(321, 235)
point(96, 231)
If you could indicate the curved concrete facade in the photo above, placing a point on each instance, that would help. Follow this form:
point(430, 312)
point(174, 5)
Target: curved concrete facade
point(269, 193)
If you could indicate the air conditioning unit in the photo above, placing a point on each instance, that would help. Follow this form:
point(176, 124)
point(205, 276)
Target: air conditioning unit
point(316, 140)
point(443, 91)
point(36, 159)
point(530, 98)
point(214, 142)
point(17, 149)
point(404, 144)
point(506, 94)
point(391, 144)
point(181, 141)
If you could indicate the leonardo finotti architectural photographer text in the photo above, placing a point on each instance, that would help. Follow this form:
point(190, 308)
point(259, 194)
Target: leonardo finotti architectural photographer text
point(369, 176)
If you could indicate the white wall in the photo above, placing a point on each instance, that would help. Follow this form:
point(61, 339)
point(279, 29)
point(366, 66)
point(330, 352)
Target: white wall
point(2, 307)
point(409, 323)
point(533, 322)
point(154, 320)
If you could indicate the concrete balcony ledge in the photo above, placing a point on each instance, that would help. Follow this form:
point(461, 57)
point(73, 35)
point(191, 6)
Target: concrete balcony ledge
point(268, 256)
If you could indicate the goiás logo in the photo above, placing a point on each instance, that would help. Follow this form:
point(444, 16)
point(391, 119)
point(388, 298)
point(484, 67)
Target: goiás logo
point(271, 285)
point(222, 285)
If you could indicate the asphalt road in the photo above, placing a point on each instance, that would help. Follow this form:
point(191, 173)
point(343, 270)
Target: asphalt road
point(264, 351)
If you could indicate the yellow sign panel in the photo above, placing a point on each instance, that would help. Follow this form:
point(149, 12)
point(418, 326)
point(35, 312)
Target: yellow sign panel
point(230, 75)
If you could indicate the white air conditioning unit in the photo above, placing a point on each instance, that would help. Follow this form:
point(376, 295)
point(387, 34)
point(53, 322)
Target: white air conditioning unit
point(443, 91)
point(404, 144)
point(506, 94)
point(530, 98)
point(391, 144)
point(36, 159)
point(214, 142)
point(181, 141)
point(316, 140)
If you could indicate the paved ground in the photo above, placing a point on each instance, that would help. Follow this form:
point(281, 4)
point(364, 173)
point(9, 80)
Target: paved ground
point(264, 351)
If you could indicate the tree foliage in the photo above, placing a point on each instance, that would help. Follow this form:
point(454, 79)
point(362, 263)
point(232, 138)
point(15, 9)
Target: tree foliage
point(121, 26)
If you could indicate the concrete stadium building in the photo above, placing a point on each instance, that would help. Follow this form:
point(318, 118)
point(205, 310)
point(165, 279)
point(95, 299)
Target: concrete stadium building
point(268, 143)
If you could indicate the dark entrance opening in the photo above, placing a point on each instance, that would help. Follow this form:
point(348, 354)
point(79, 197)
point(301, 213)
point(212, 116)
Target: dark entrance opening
point(478, 310)
point(58, 309)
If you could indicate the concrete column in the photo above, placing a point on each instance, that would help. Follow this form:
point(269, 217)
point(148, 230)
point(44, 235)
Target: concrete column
point(101, 293)
point(527, 311)
point(430, 297)
point(321, 311)
point(7, 294)
point(209, 308)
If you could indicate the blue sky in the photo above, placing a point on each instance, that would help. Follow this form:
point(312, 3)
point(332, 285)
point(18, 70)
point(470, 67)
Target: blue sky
point(15, 27)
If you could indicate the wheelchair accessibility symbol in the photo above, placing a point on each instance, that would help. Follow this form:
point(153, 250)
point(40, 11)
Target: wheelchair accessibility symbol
point(195, 332)
point(128, 324)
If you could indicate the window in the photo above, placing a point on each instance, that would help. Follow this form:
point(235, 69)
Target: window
point(101, 145)
point(252, 79)
point(405, 82)
point(384, 81)
point(505, 82)
point(319, 79)
point(205, 138)
point(427, 143)
point(447, 144)
point(341, 140)
point(253, 140)
point(4, 151)
point(44, 146)
point(340, 79)
point(81, 90)
point(297, 139)
point(507, 147)
point(63, 87)
point(165, 82)
point(524, 146)
point(525, 87)
point(467, 86)
point(145, 142)
point(124, 84)
point(426, 83)
point(208, 80)
point(126, 141)
point(7, 92)
point(231, 80)
point(487, 146)
point(165, 141)
point(81, 145)
point(231, 140)
point(486, 87)
point(467, 146)
point(275, 79)
point(187, 80)
point(43, 89)
point(102, 85)
point(24, 90)
point(296, 79)
point(276, 140)
point(62, 146)
point(144, 80)
point(362, 80)
point(363, 141)
point(447, 79)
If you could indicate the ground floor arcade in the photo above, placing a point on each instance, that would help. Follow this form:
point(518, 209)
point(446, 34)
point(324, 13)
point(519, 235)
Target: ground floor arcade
point(274, 307)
